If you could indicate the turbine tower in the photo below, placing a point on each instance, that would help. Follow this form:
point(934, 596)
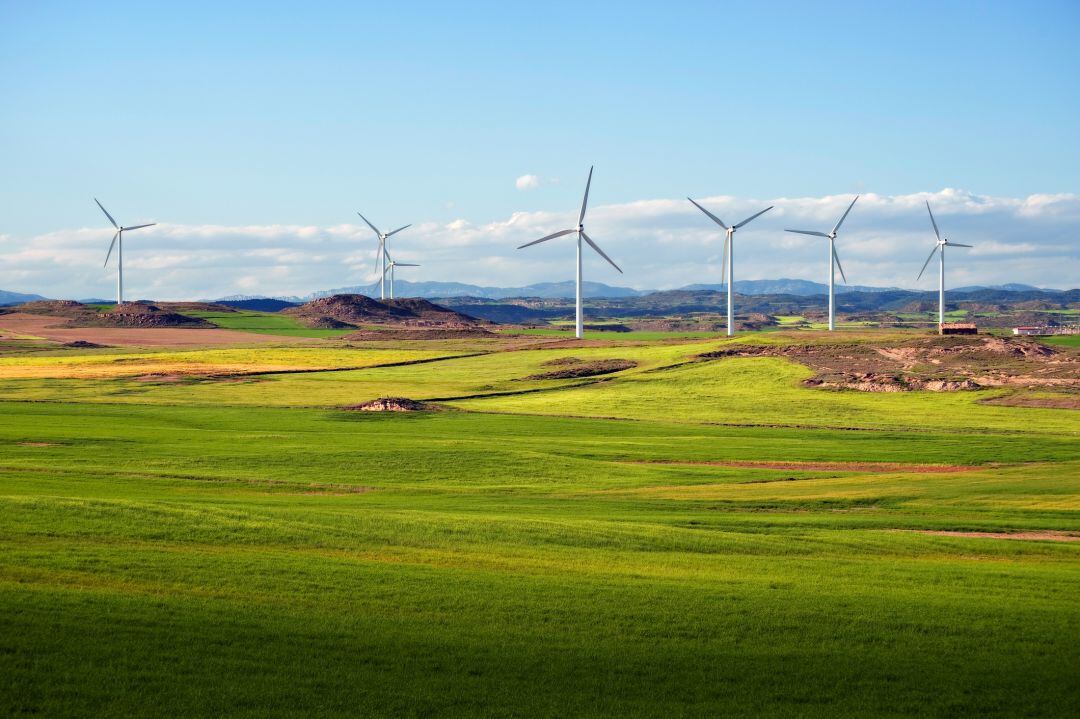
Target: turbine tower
point(727, 269)
point(834, 261)
point(942, 243)
point(580, 230)
point(390, 265)
point(118, 242)
point(382, 255)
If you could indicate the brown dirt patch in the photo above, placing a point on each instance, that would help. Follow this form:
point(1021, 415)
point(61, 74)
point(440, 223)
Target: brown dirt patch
point(37, 444)
point(1048, 535)
point(562, 362)
point(573, 370)
point(877, 467)
point(161, 378)
point(1064, 401)
point(48, 327)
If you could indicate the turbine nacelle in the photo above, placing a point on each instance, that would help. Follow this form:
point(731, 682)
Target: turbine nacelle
point(939, 246)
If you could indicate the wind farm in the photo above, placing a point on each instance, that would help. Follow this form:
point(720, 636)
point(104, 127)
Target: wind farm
point(343, 500)
point(476, 456)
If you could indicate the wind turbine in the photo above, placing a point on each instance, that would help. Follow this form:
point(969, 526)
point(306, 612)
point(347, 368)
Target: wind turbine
point(727, 269)
point(382, 256)
point(834, 261)
point(580, 230)
point(942, 243)
point(118, 242)
point(390, 265)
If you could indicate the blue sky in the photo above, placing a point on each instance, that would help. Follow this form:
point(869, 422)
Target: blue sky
point(263, 114)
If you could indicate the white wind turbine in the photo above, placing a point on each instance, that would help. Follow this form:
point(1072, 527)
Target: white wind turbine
point(580, 230)
point(727, 269)
point(382, 256)
point(390, 265)
point(118, 242)
point(834, 261)
point(942, 243)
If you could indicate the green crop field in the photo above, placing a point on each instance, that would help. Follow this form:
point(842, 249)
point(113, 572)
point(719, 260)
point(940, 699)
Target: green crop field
point(210, 533)
point(269, 323)
point(1062, 340)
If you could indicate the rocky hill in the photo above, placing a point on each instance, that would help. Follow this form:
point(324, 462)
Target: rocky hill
point(343, 311)
point(129, 314)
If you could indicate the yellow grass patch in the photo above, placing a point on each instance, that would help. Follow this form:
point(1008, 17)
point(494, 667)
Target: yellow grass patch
point(201, 362)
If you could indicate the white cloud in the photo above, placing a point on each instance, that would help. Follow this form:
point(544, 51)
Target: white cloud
point(660, 243)
point(527, 182)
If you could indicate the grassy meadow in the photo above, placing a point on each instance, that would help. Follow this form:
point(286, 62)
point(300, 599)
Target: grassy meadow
point(210, 533)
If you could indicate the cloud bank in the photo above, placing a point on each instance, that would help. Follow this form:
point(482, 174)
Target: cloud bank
point(660, 243)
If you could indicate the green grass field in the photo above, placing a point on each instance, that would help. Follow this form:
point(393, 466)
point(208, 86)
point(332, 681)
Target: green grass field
point(678, 539)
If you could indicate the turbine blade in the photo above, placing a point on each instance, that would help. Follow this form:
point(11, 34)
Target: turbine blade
point(835, 229)
point(597, 248)
point(713, 217)
point(139, 227)
point(405, 264)
point(378, 252)
point(585, 200)
point(373, 228)
point(107, 214)
point(111, 245)
point(839, 266)
point(545, 239)
point(391, 234)
point(808, 232)
point(933, 222)
point(936, 247)
point(957, 244)
point(735, 227)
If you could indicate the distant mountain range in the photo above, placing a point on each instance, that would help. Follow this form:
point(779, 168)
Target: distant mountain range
point(1010, 287)
point(594, 290)
point(17, 298)
point(428, 290)
point(802, 288)
point(553, 290)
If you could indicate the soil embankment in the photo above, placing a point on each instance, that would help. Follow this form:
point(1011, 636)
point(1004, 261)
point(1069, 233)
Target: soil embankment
point(937, 364)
